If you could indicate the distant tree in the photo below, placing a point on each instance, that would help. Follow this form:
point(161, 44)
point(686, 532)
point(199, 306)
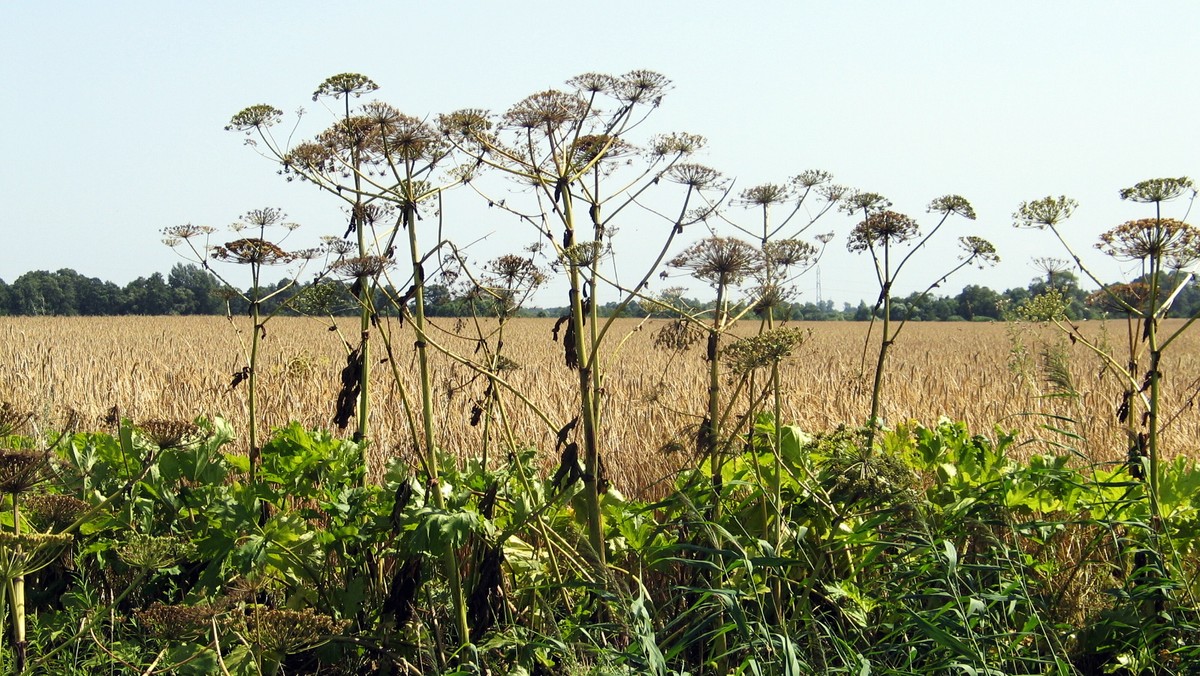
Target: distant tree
point(5, 298)
point(194, 290)
point(977, 301)
point(149, 296)
point(43, 293)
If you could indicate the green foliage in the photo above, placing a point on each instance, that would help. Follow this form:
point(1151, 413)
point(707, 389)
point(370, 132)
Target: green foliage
point(934, 552)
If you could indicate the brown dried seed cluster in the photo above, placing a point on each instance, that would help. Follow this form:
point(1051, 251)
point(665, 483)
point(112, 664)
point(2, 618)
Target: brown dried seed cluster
point(20, 469)
point(361, 267)
point(678, 334)
point(177, 622)
point(55, 511)
point(168, 433)
point(12, 419)
point(252, 251)
point(287, 631)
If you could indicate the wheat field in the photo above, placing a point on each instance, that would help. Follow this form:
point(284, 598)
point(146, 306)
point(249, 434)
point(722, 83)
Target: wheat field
point(985, 374)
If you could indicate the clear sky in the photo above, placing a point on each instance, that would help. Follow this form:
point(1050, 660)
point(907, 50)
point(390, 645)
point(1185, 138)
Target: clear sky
point(112, 121)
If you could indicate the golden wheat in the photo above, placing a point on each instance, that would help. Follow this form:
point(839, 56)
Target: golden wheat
point(180, 367)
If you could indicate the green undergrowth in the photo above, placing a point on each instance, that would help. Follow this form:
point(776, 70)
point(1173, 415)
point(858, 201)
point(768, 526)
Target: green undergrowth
point(930, 551)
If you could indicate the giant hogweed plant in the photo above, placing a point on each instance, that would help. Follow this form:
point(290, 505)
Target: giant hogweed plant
point(383, 165)
point(583, 176)
point(891, 239)
point(1164, 249)
point(502, 287)
point(258, 250)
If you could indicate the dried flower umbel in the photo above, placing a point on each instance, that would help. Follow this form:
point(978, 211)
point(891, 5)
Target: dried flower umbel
point(284, 632)
point(764, 349)
point(720, 261)
point(168, 434)
point(361, 267)
point(151, 552)
point(1046, 212)
point(881, 229)
point(21, 469)
point(978, 251)
point(1118, 298)
point(1158, 238)
point(1158, 190)
point(178, 622)
point(12, 419)
point(55, 512)
point(677, 335)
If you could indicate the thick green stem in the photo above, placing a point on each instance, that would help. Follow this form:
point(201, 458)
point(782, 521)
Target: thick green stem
point(587, 399)
point(1155, 376)
point(18, 597)
point(449, 560)
point(885, 343)
point(251, 385)
point(713, 423)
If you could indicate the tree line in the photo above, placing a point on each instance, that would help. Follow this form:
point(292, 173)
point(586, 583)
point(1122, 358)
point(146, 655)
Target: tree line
point(190, 290)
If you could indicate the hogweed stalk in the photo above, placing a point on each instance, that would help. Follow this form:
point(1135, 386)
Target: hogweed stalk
point(879, 233)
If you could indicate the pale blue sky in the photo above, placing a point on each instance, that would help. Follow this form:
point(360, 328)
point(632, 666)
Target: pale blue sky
point(113, 113)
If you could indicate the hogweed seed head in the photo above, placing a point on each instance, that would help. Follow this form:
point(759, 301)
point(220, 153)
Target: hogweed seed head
point(466, 124)
point(151, 552)
point(187, 231)
point(284, 632)
point(1118, 298)
point(337, 246)
point(252, 251)
point(593, 83)
point(1158, 190)
point(345, 84)
point(168, 434)
point(864, 202)
point(678, 143)
point(21, 469)
point(979, 250)
point(1046, 307)
point(176, 623)
point(952, 204)
point(583, 254)
point(55, 512)
point(515, 272)
point(12, 418)
point(764, 349)
point(677, 335)
point(764, 195)
point(694, 175)
point(880, 228)
point(1151, 238)
point(546, 110)
point(832, 192)
point(786, 253)
point(811, 178)
point(1045, 212)
point(361, 267)
point(641, 86)
point(254, 117)
point(720, 261)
